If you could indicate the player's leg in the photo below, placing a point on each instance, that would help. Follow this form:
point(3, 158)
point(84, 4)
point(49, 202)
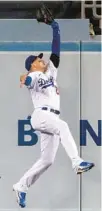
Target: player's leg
point(69, 144)
point(49, 146)
point(51, 123)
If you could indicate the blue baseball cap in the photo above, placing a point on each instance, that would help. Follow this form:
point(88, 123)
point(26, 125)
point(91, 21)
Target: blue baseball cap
point(30, 59)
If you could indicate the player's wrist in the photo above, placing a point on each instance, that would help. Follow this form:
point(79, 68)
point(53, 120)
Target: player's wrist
point(54, 24)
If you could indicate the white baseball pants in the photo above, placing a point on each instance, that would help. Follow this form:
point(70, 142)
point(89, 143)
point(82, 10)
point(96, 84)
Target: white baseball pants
point(53, 131)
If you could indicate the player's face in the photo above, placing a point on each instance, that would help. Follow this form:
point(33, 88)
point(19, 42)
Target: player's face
point(38, 64)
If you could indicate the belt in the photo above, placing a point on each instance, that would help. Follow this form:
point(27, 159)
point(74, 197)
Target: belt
point(51, 110)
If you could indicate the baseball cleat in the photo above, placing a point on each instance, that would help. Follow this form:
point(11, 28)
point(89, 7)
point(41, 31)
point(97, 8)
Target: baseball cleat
point(83, 167)
point(21, 197)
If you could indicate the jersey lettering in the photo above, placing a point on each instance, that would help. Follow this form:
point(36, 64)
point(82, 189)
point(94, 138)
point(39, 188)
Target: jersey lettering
point(45, 83)
point(44, 90)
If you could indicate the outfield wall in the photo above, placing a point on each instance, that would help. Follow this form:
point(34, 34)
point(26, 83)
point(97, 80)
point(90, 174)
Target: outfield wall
point(30, 30)
point(79, 79)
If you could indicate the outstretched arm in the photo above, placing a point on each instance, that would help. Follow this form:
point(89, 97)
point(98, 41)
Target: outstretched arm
point(55, 56)
point(44, 15)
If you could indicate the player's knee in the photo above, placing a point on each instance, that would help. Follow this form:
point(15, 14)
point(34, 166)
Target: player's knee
point(48, 163)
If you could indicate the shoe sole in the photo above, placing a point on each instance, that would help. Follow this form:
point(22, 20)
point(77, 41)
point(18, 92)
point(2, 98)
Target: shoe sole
point(80, 171)
point(17, 197)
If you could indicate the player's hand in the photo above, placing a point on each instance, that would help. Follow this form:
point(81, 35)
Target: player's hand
point(22, 79)
point(44, 15)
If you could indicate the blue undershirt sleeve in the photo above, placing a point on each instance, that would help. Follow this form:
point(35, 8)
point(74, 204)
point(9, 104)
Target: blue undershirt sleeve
point(56, 38)
point(28, 81)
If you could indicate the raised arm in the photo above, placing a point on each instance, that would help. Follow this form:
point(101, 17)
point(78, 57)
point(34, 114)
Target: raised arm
point(55, 56)
point(44, 15)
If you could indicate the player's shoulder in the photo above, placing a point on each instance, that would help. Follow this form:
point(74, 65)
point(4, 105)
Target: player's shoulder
point(34, 74)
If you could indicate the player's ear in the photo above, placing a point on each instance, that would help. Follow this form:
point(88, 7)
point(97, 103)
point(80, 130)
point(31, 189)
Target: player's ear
point(33, 65)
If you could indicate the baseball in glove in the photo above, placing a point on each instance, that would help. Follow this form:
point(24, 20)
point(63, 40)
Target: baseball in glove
point(44, 15)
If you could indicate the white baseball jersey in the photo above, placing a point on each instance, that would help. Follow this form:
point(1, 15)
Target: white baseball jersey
point(43, 88)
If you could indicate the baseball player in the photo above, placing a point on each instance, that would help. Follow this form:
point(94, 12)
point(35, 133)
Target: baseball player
point(42, 85)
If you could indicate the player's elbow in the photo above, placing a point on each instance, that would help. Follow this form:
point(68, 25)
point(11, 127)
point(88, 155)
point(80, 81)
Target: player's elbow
point(55, 58)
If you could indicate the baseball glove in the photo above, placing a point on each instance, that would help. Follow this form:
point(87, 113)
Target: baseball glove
point(44, 15)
